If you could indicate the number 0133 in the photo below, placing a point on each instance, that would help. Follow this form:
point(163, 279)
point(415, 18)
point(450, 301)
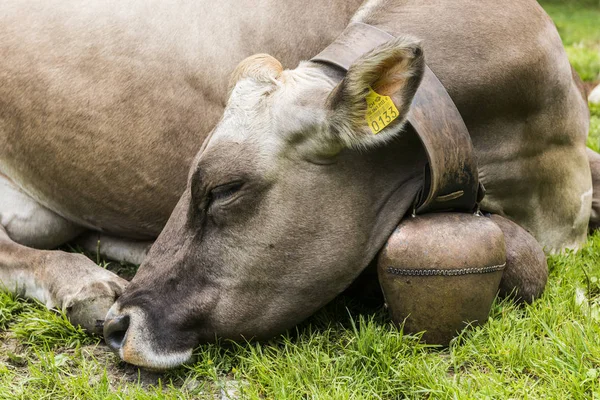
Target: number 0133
point(381, 111)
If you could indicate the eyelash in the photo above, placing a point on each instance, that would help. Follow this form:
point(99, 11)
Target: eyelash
point(224, 191)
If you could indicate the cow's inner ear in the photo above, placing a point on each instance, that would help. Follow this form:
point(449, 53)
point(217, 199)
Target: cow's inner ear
point(370, 105)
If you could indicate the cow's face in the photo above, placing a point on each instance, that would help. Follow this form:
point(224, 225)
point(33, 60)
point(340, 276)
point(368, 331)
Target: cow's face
point(290, 198)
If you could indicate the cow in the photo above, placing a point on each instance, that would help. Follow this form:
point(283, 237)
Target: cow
point(261, 188)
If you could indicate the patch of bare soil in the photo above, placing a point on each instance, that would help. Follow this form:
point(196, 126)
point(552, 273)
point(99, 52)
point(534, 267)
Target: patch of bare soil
point(118, 372)
point(98, 358)
point(12, 353)
point(120, 375)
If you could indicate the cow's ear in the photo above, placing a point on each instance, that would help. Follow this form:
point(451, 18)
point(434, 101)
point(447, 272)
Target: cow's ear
point(370, 105)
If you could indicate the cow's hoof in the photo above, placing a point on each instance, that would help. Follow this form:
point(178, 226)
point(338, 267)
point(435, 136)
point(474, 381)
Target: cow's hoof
point(89, 305)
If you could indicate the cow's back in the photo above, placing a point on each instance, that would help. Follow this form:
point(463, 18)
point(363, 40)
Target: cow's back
point(102, 107)
point(104, 104)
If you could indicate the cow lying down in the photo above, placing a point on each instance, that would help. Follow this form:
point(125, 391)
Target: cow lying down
point(264, 191)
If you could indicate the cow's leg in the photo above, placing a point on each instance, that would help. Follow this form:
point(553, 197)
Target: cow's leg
point(114, 248)
point(66, 281)
point(594, 159)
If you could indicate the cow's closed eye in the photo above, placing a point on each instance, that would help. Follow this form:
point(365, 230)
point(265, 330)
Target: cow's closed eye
point(222, 193)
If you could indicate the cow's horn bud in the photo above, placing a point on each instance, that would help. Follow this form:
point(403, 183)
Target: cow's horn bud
point(262, 67)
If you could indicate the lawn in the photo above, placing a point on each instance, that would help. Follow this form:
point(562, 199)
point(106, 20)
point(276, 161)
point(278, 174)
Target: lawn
point(550, 349)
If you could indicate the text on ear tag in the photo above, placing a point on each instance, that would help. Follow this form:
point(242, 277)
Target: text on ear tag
point(381, 111)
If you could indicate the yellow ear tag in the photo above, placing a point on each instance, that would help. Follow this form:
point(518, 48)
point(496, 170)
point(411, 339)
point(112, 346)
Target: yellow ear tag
point(381, 111)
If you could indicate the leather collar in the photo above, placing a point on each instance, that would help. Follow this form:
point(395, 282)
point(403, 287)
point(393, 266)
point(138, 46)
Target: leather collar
point(450, 180)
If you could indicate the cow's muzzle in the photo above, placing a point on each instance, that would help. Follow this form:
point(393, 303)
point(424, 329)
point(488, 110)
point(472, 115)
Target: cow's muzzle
point(127, 333)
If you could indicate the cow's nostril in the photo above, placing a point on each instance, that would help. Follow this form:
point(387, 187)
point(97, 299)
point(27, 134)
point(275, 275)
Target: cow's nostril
point(115, 330)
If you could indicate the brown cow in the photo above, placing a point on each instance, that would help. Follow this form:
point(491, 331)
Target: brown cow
point(104, 105)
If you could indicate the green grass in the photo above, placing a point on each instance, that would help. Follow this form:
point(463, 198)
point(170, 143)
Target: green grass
point(549, 350)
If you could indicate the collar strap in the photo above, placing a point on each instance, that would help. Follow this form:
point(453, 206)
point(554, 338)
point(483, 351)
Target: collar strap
point(356, 40)
point(450, 179)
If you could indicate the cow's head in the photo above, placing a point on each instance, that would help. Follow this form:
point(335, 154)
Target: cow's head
point(289, 199)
